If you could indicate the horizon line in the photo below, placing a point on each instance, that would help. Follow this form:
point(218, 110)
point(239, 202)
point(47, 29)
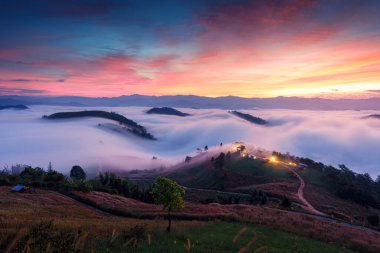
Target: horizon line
point(189, 95)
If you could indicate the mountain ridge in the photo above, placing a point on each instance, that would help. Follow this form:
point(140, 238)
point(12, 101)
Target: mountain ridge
point(199, 102)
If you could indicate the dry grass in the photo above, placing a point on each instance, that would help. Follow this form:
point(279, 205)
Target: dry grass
point(344, 209)
point(18, 211)
point(276, 189)
point(317, 228)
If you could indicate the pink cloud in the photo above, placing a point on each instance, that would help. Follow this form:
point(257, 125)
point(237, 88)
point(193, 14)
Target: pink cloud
point(257, 49)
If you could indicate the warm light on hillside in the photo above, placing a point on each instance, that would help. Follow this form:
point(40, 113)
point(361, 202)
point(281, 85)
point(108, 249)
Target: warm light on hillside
point(273, 159)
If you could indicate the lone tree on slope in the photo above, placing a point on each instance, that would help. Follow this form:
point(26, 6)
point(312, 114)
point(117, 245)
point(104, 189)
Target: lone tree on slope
point(168, 193)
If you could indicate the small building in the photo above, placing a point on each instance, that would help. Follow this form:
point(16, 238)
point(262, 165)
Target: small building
point(18, 188)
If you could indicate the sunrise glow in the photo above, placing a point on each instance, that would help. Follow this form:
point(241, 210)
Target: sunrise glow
point(304, 48)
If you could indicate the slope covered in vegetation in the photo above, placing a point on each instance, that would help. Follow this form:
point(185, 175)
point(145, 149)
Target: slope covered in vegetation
point(94, 220)
point(250, 118)
point(373, 116)
point(167, 111)
point(17, 107)
point(131, 125)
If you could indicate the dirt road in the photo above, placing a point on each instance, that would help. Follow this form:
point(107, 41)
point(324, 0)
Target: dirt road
point(300, 196)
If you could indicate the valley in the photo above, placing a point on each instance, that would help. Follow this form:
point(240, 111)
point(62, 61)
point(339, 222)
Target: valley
point(228, 183)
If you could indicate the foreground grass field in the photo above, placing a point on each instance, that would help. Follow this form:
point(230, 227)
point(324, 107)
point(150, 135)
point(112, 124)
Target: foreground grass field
point(47, 221)
point(363, 240)
point(224, 237)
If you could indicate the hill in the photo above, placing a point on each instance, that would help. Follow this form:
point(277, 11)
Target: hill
point(237, 170)
point(238, 187)
point(44, 219)
point(167, 111)
point(17, 107)
point(131, 125)
point(373, 116)
point(250, 118)
point(311, 187)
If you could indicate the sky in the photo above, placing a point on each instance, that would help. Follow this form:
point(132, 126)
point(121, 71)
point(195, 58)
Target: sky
point(247, 48)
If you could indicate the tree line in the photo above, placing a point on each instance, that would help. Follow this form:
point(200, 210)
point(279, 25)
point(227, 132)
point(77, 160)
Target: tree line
point(343, 182)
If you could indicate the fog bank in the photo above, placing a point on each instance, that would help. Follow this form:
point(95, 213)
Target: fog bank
point(332, 137)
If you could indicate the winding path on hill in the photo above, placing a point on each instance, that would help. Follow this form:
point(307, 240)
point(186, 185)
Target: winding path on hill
point(300, 195)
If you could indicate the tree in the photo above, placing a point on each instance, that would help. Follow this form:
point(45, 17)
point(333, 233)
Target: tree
point(219, 161)
point(228, 156)
point(168, 193)
point(50, 166)
point(77, 173)
point(30, 174)
point(188, 159)
point(54, 178)
point(241, 148)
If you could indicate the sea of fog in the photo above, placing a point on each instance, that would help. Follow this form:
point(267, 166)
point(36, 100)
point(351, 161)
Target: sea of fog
point(332, 137)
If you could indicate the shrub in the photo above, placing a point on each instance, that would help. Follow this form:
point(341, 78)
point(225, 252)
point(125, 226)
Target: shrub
point(83, 185)
point(373, 220)
point(209, 200)
point(263, 200)
point(4, 180)
point(134, 235)
point(285, 202)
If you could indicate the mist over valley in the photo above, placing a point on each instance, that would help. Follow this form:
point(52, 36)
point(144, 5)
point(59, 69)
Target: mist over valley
point(332, 137)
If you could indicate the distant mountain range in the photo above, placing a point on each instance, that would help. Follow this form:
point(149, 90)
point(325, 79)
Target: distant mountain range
point(198, 102)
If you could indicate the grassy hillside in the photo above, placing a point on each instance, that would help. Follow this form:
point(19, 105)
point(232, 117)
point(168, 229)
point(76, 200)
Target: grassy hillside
point(301, 224)
point(322, 193)
point(229, 237)
point(46, 219)
point(257, 168)
point(113, 214)
point(236, 172)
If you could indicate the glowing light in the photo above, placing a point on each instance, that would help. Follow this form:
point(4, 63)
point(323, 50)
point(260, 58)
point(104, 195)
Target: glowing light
point(273, 159)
